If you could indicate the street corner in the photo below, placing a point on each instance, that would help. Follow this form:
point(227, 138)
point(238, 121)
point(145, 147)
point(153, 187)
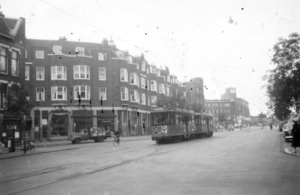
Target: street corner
point(291, 151)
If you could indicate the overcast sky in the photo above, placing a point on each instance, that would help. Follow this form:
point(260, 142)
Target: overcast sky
point(226, 42)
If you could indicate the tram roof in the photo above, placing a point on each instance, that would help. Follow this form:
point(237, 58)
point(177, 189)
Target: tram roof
point(155, 110)
point(203, 114)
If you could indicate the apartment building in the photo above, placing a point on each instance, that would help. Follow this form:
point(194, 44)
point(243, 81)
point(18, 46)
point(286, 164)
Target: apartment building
point(81, 84)
point(12, 54)
point(230, 108)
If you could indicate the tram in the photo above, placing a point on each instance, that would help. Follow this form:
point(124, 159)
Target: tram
point(204, 124)
point(178, 124)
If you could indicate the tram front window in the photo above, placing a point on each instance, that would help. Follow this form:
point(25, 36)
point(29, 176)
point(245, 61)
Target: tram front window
point(160, 119)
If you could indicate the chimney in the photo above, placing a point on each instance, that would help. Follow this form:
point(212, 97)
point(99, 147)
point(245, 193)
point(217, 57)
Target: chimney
point(62, 38)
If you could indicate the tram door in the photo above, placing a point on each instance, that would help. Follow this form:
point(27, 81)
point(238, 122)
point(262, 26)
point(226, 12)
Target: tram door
point(207, 125)
point(187, 130)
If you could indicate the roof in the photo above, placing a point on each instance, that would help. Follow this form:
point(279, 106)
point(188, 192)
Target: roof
point(9, 26)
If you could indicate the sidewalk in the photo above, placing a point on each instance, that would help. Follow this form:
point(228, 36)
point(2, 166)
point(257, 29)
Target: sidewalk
point(290, 150)
point(50, 146)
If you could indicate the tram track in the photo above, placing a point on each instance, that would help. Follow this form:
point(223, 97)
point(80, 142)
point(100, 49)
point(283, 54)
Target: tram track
point(92, 166)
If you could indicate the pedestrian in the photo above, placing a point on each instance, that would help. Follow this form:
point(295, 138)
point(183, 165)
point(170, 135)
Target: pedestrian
point(271, 126)
point(296, 134)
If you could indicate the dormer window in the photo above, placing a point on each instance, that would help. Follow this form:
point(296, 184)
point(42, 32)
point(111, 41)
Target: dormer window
point(79, 51)
point(101, 57)
point(144, 66)
point(129, 58)
point(57, 49)
point(120, 54)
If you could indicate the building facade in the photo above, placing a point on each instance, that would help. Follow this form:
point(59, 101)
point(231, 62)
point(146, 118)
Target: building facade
point(12, 54)
point(196, 93)
point(229, 109)
point(79, 85)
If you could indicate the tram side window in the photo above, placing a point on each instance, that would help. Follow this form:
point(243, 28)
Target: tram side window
point(179, 119)
point(172, 118)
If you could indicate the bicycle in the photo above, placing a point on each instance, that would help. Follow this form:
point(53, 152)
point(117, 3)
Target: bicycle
point(29, 146)
point(116, 140)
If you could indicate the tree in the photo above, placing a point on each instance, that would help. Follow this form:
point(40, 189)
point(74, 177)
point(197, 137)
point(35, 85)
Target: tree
point(176, 100)
point(18, 100)
point(283, 87)
point(222, 117)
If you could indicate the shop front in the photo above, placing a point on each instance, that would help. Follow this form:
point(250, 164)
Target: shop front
point(58, 123)
point(11, 133)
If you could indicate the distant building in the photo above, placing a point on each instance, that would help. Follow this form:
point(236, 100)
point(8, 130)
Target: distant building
point(230, 94)
point(229, 109)
point(196, 92)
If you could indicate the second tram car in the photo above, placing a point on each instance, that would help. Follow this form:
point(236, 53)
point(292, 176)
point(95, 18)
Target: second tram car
point(178, 124)
point(204, 124)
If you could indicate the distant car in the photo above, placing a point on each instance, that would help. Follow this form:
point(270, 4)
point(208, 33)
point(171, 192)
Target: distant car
point(287, 131)
point(230, 128)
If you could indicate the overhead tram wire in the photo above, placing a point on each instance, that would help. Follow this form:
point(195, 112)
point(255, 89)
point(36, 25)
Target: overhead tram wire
point(145, 51)
point(78, 18)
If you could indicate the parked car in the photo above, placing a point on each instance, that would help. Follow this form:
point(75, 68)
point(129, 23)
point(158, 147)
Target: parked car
point(287, 131)
point(230, 128)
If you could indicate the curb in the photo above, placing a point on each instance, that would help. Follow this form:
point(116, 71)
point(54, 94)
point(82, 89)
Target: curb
point(68, 142)
point(2, 157)
point(290, 151)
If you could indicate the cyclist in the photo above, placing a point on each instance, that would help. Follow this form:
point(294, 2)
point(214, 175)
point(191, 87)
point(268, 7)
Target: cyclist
point(117, 135)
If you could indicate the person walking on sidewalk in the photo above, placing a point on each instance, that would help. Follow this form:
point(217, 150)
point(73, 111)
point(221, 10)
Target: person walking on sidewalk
point(296, 134)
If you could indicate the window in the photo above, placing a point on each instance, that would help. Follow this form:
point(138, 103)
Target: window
point(162, 88)
point(143, 83)
point(149, 98)
point(82, 91)
point(168, 91)
point(144, 66)
point(147, 70)
point(197, 90)
point(57, 49)
point(102, 93)
point(168, 78)
point(39, 54)
point(133, 96)
point(123, 75)
point(58, 93)
point(27, 72)
point(120, 54)
point(153, 86)
point(143, 102)
point(124, 93)
point(158, 72)
point(81, 72)
point(58, 73)
point(15, 63)
point(101, 57)
point(79, 51)
point(40, 94)
point(129, 58)
point(133, 78)
point(25, 53)
point(3, 94)
point(40, 73)
point(102, 73)
point(153, 100)
point(148, 85)
point(3, 60)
